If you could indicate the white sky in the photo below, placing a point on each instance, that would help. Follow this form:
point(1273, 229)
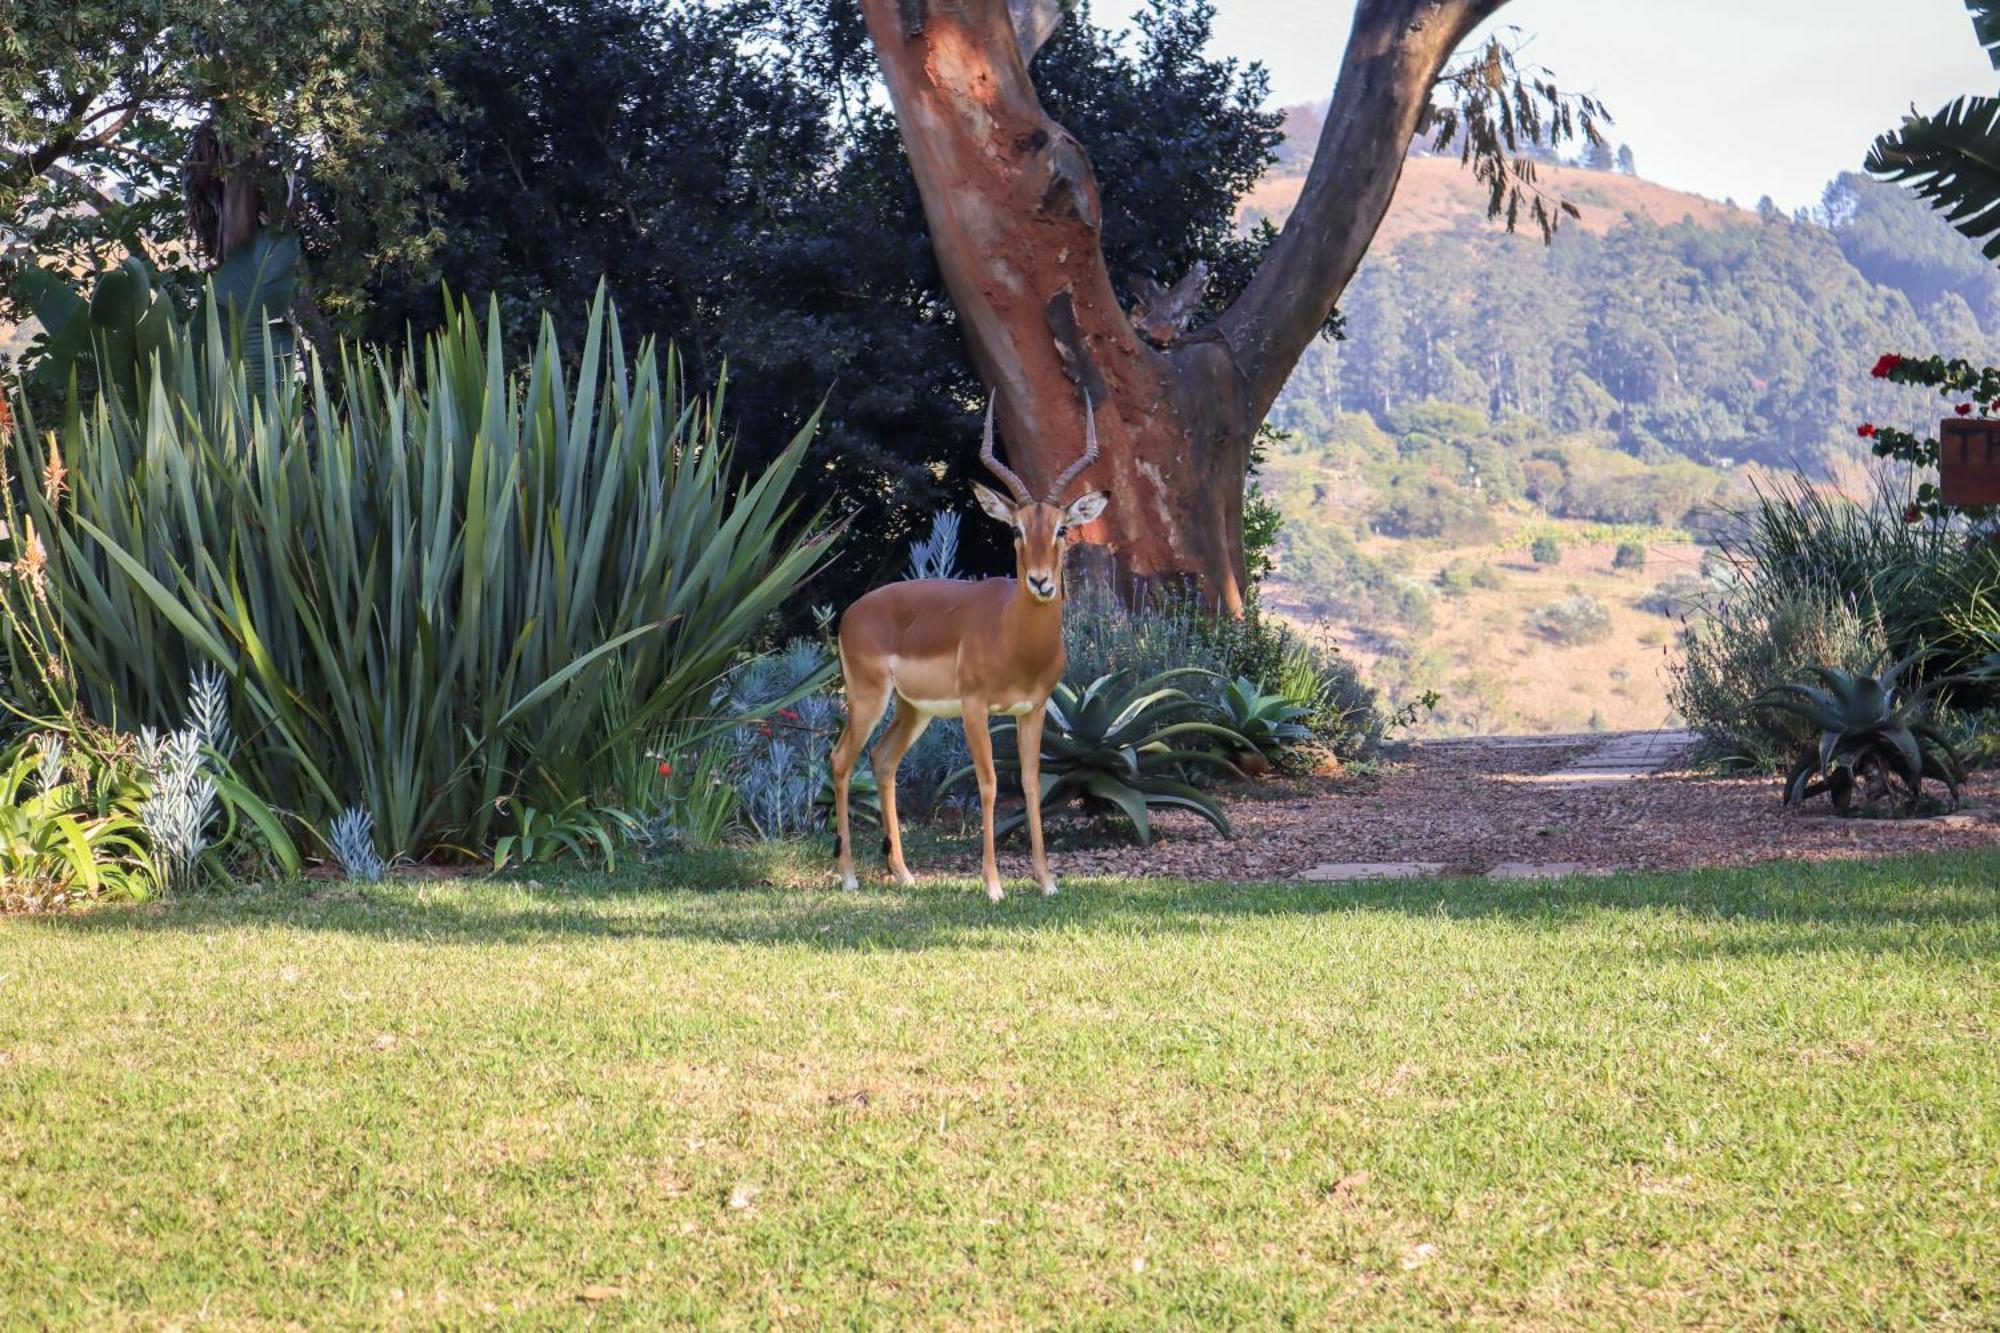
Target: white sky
point(1723, 98)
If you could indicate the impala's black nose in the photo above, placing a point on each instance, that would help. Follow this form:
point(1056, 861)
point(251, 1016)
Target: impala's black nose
point(1041, 586)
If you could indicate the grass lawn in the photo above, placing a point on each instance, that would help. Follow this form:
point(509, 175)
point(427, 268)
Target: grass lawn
point(1732, 1098)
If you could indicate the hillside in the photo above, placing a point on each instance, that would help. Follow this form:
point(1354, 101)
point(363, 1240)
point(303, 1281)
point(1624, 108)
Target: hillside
point(1439, 195)
point(1615, 388)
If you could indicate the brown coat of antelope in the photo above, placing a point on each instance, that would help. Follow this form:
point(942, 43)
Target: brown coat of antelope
point(957, 648)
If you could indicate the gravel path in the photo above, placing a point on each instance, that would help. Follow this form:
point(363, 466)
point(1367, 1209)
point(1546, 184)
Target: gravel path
point(1469, 806)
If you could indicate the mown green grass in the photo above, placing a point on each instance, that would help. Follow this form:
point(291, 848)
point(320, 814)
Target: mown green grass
point(1737, 1098)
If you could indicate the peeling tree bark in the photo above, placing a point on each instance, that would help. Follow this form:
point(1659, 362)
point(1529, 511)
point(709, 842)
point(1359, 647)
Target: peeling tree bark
point(1012, 209)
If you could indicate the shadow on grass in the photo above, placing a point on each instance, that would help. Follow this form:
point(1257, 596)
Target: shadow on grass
point(1945, 902)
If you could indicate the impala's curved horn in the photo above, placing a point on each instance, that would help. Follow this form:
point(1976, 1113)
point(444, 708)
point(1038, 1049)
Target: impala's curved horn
point(1089, 454)
point(998, 468)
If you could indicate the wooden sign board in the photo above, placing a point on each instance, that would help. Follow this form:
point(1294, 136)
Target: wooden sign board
point(1969, 462)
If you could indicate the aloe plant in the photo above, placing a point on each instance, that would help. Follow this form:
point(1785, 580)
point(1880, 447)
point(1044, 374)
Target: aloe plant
point(1268, 722)
point(1872, 731)
point(1123, 749)
point(416, 571)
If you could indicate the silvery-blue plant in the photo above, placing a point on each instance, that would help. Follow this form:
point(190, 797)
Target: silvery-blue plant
point(208, 709)
point(780, 760)
point(49, 767)
point(352, 838)
point(936, 556)
point(181, 806)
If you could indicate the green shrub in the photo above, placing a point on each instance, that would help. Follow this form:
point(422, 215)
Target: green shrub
point(1328, 575)
point(1679, 595)
point(417, 572)
point(1751, 642)
point(1930, 585)
point(1415, 500)
point(1546, 550)
point(1573, 620)
point(1461, 576)
point(72, 826)
point(1629, 555)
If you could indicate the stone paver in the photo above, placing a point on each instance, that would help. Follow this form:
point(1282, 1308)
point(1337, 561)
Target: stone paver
point(1344, 872)
point(1625, 757)
point(1539, 870)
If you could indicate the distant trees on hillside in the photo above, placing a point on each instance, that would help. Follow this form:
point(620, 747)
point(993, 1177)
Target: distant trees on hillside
point(1721, 345)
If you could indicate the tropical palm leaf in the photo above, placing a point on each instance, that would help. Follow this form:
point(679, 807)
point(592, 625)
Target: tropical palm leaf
point(1951, 159)
point(1986, 24)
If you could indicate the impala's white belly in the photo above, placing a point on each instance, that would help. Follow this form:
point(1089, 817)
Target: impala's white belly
point(922, 684)
point(955, 707)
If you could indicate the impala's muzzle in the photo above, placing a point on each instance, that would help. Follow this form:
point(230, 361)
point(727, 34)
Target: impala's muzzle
point(1042, 586)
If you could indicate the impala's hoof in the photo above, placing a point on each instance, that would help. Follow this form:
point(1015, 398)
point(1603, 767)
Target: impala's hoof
point(906, 879)
point(1049, 887)
point(850, 884)
point(994, 893)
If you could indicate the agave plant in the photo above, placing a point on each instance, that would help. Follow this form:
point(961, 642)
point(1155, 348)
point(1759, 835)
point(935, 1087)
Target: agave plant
point(1873, 731)
point(1123, 748)
point(1269, 722)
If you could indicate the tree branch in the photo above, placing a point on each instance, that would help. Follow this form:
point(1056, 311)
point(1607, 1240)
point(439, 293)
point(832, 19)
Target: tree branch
point(1394, 56)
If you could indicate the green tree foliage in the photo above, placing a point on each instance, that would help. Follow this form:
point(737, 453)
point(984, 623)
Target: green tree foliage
point(1719, 345)
point(121, 121)
point(746, 196)
point(1895, 241)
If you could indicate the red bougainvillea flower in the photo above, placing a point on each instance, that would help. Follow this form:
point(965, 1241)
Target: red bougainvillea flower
point(1963, 409)
point(789, 714)
point(1885, 365)
point(1865, 431)
point(666, 770)
point(1912, 514)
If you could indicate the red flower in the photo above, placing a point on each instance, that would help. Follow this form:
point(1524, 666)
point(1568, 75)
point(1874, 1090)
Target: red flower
point(666, 770)
point(1865, 431)
point(1912, 514)
point(1963, 409)
point(1885, 365)
point(789, 714)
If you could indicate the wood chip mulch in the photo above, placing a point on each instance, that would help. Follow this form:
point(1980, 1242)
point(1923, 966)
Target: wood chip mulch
point(1472, 805)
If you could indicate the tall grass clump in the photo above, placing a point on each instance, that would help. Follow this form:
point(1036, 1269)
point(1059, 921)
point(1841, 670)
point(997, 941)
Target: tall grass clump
point(1819, 579)
point(438, 585)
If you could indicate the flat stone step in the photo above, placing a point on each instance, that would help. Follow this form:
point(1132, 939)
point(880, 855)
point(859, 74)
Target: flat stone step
point(1540, 870)
point(1348, 872)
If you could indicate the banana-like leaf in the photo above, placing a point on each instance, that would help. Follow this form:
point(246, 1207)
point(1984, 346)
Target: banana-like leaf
point(1986, 26)
point(1951, 159)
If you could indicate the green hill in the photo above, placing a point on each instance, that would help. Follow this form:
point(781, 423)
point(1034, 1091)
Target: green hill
point(1609, 389)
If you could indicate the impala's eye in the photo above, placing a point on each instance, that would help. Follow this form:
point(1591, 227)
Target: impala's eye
point(1062, 532)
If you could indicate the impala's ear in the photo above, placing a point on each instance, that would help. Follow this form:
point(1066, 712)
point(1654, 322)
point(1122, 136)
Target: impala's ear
point(1087, 507)
point(991, 502)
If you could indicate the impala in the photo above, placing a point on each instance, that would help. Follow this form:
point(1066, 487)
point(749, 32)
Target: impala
point(956, 648)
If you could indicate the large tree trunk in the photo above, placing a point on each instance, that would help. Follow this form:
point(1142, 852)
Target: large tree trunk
point(1013, 213)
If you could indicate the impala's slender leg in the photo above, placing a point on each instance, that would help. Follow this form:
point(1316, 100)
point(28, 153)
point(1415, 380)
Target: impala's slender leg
point(886, 758)
point(1030, 737)
point(980, 742)
point(867, 698)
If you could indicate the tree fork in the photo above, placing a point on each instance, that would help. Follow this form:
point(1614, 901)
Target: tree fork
point(1012, 208)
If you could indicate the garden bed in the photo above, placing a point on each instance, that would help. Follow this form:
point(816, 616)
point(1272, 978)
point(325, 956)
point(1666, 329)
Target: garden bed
point(1472, 805)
